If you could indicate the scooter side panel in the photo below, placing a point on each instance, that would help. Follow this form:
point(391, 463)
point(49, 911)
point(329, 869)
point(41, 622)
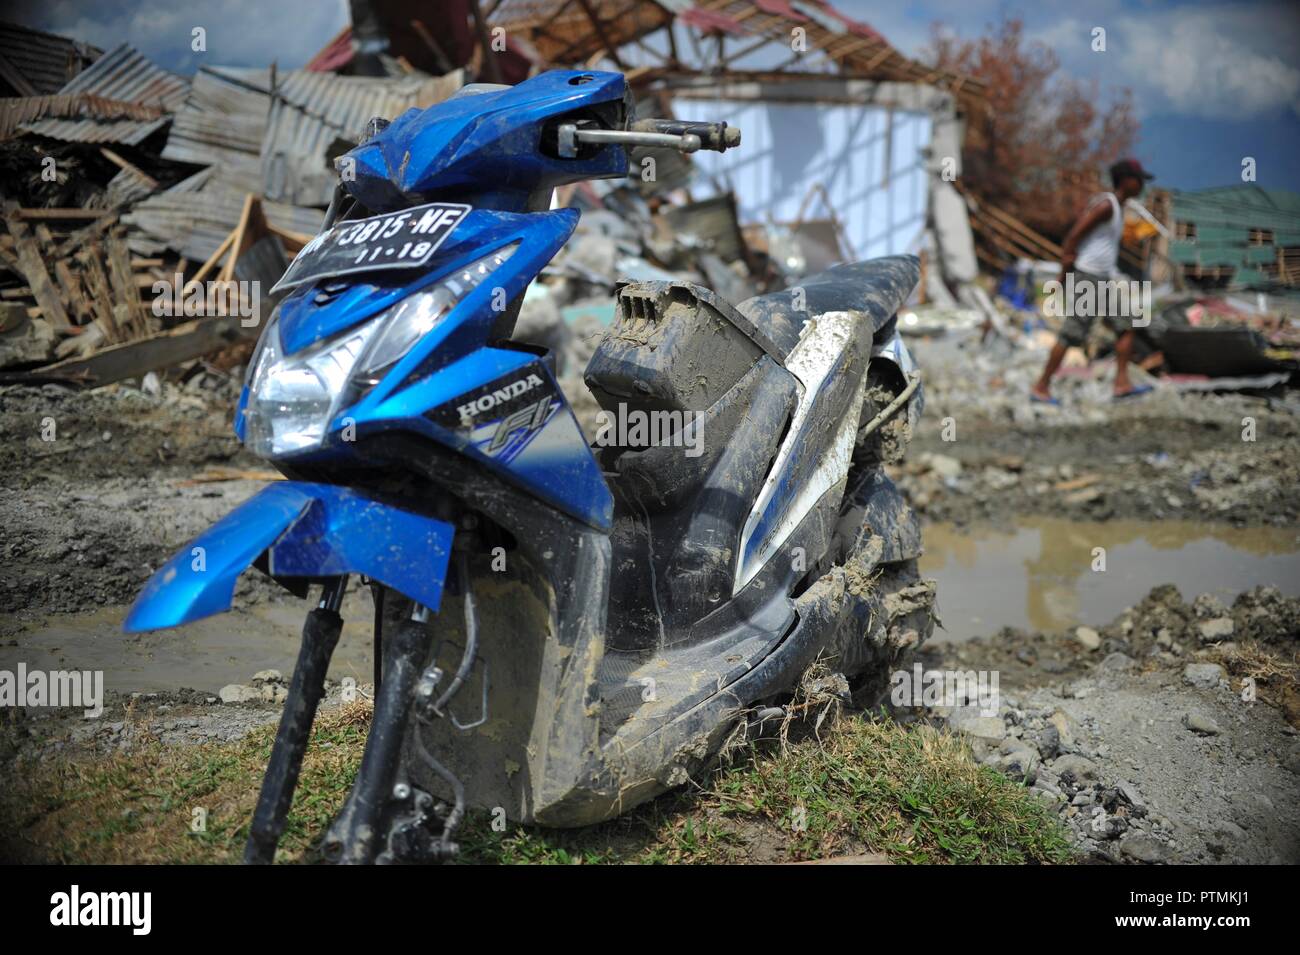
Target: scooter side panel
point(311, 530)
point(504, 409)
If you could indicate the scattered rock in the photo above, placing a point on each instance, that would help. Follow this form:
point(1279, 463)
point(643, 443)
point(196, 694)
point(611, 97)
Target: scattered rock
point(1201, 724)
point(943, 465)
point(1064, 728)
point(1141, 847)
point(1218, 629)
point(1208, 607)
point(1018, 761)
point(1204, 675)
point(272, 693)
point(1089, 637)
point(1116, 663)
point(981, 727)
point(239, 693)
point(1082, 769)
point(1049, 742)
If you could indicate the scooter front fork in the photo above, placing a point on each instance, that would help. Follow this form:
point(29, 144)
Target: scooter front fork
point(320, 634)
point(359, 833)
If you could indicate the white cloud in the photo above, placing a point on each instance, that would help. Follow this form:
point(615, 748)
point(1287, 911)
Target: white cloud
point(1201, 69)
point(1215, 62)
point(239, 32)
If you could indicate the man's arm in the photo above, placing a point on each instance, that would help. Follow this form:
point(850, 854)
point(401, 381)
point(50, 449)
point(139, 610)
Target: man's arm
point(1092, 217)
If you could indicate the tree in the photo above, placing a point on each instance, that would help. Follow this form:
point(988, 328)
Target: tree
point(1041, 146)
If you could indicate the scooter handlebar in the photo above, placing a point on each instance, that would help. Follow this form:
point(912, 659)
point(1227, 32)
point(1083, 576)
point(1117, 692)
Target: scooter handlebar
point(718, 137)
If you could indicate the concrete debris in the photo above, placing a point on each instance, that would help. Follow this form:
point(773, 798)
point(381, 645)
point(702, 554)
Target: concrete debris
point(1088, 638)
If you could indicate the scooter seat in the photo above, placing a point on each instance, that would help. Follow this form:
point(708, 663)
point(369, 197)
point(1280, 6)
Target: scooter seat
point(876, 288)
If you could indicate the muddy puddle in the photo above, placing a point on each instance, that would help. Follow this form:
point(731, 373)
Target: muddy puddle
point(1038, 574)
point(204, 655)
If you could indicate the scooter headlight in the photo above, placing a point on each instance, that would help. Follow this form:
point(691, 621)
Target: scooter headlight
point(412, 318)
point(292, 399)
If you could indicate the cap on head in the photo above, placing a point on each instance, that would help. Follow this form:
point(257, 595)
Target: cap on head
point(1126, 168)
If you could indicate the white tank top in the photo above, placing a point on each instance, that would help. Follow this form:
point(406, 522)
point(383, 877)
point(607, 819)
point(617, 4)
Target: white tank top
point(1098, 251)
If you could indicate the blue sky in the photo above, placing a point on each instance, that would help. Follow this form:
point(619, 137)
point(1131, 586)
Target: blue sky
point(1213, 81)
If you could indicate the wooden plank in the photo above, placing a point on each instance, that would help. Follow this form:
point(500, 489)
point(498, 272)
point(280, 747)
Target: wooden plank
point(119, 262)
point(7, 258)
point(252, 226)
point(1035, 238)
point(64, 213)
point(134, 359)
point(611, 49)
point(32, 265)
point(71, 285)
point(993, 237)
point(68, 284)
point(129, 166)
point(91, 259)
point(213, 259)
point(489, 58)
point(44, 238)
point(292, 241)
point(79, 238)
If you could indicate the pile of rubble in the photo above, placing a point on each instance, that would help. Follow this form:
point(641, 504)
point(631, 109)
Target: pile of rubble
point(136, 201)
point(143, 209)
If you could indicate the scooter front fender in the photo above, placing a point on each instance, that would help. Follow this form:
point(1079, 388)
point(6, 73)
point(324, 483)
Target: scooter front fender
point(305, 530)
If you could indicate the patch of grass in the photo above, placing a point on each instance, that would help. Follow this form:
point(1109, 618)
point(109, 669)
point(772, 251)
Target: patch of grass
point(140, 806)
point(913, 794)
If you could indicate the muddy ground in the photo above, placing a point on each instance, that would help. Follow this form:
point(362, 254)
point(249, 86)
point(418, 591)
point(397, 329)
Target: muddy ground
point(1170, 734)
point(984, 453)
point(103, 486)
point(1141, 730)
point(124, 478)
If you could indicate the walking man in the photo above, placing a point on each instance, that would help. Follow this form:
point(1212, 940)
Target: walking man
point(1091, 252)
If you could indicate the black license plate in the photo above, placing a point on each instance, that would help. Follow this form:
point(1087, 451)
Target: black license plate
point(395, 240)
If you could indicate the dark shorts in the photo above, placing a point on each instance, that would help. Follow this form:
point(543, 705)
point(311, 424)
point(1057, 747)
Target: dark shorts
point(1075, 327)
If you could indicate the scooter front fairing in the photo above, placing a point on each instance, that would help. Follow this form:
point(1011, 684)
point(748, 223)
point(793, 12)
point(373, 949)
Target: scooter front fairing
point(498, 405)
point(298, 530)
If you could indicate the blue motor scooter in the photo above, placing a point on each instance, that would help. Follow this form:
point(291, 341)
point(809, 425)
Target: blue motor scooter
point(608, 616)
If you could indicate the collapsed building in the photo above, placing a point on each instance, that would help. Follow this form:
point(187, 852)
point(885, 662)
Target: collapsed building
point(124, 181)
point(122, 175)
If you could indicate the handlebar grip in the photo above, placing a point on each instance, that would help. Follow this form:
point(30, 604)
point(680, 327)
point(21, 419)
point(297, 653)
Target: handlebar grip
point(718, 137)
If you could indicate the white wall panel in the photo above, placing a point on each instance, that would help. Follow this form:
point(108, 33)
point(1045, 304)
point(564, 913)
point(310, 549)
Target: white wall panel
point(788, 148)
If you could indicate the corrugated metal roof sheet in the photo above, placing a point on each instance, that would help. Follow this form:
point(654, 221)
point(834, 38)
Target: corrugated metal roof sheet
point(1239, 227)
point(126, 76)
point(23, 110)
point(1238, 207)
point(223, 120)
point(194, 216)
point(36, 63)
point(128, 186)
point(310, 110)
